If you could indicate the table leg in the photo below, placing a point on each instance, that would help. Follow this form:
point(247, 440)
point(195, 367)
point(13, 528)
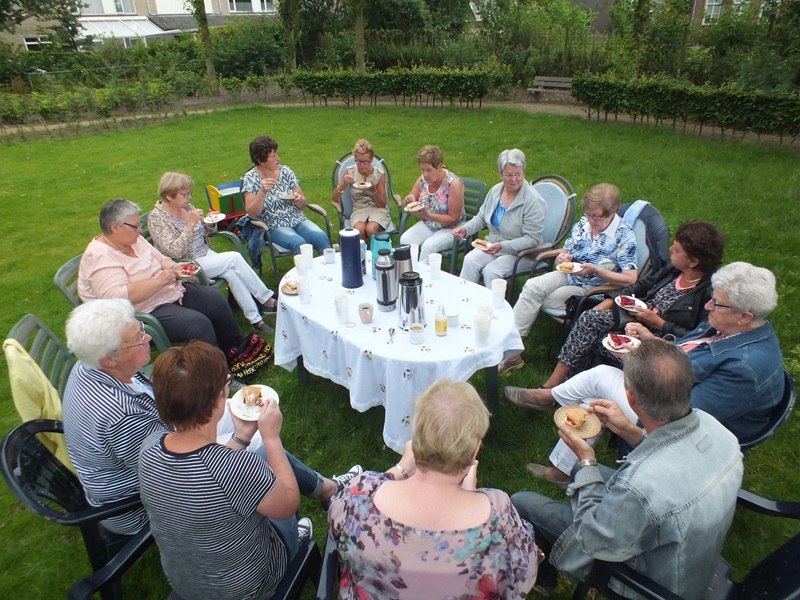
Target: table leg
point(492, 385)
point(302, 372)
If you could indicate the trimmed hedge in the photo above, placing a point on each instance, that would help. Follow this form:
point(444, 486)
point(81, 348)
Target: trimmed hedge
point(664, 99)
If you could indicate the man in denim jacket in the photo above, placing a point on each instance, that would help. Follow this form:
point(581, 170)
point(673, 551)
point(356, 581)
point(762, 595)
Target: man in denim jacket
point(666, 510)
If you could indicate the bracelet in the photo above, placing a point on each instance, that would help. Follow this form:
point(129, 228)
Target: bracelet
point(403, 472)
point(588, 462)
point(239, 440)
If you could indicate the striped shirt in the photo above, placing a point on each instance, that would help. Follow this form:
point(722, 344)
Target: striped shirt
point(203, 513)
point(615, 246)
point(105, 422)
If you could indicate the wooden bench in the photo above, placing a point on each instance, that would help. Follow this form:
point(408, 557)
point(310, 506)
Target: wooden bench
point(558, 85)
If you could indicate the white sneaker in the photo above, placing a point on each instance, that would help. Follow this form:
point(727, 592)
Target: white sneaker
point(305, 528)
point(342, 480)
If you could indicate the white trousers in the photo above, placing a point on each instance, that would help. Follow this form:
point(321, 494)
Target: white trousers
point(477, 262)
point(427, 240)
point(244, 283)
point(603, 382)
point(545, 291)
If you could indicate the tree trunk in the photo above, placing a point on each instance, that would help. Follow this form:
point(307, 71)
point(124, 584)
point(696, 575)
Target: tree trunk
point(288, 10)
point(640, 16)
point(199, 12)
point(358, 8)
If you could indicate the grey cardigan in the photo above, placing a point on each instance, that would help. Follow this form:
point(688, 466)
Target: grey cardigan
point(521, 225)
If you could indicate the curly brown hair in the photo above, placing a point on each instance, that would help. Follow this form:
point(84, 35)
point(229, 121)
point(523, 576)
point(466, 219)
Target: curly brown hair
point(703, 242)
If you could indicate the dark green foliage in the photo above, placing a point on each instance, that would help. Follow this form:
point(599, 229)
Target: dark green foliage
point(248, 46)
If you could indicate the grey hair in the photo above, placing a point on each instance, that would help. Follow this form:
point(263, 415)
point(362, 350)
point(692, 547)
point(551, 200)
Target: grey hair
point(660, 376)
point(116, 211)
point(95, 329)
point(514, 157)
point(749, 288)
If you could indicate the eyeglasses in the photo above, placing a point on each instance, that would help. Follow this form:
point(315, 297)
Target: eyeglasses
point(715, 305)
point(363, 162)
point(513, 175)
point(142, 338)
point(186, 194)
point(599, 217)
point(229, 380)
point(136, 227)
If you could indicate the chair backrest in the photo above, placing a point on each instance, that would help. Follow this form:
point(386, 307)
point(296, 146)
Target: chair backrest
point(652, 238)
point(38, 480)
point(347, 160)
point(66, 280)
point(145, 233)
point(778, 416)
point(52, 356)
point(560, 199)
point(474, 195)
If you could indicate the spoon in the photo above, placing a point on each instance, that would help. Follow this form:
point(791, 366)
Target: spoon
point(391, 335)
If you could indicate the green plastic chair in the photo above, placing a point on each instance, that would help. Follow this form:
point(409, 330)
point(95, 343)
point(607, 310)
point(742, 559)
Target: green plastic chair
point(474, 196)
point(66, 280)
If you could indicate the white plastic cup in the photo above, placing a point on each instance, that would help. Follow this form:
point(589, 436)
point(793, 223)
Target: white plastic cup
point(416, 333)
point(301, 265)
point(452, 318)
point(342, 304)
point(499, 293)
point(330, 255)
point(365, 311)
point(307, 250)
point(435, 264)
point(485, 309)
point(303, 289)
point(482, 324)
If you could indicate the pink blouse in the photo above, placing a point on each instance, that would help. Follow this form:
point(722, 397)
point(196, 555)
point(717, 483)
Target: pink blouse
point(105, 272)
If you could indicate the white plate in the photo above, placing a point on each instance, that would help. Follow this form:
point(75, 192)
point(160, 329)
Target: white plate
point(414, 210)
point(250, 413)
point(362, 185)
point(569, 267)
point(287, 197)
point(638, 303)
point(479, 247)
point(607, 344)
point(214, 217)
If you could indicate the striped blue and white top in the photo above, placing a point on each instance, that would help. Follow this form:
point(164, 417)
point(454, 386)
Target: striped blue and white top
point(105, 423)
point(203, 514)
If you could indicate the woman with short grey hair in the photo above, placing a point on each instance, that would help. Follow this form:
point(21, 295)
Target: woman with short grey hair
point(96, 329)
point(749, 288)
point(514, 214)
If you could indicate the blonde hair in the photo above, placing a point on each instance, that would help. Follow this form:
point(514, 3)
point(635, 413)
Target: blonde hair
point(364, 147)
point(432, 155)
point(171, 183)
point(604, 196)
point(450, 420)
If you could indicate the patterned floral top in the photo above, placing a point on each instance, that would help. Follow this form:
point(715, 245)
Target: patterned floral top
point(381, 558)
point(437, 202)
point(614, 248)
point(276, 212)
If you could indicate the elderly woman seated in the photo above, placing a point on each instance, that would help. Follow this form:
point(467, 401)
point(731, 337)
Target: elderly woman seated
point(600, 250)
point(179, 231)
point(120, 263)
point(736, 360)
point(673, 300)
point(514, 213)
point(422, 529)
point(370, 215)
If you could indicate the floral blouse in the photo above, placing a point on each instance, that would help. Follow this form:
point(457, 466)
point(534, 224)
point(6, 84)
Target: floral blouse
point(276, 212)
point(381, 558)
point(437, 202)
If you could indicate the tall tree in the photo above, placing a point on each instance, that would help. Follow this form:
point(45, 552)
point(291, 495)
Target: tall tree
point(358, 11)
point(289, 11)
point(198, 10)
point(58, 17)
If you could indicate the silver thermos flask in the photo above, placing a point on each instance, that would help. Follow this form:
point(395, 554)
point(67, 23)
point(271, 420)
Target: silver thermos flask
point(412, 305)
point(386, 281)
point(402, 256)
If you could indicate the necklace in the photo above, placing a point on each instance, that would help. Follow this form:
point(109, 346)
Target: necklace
point(685, 280)
point(113, 244)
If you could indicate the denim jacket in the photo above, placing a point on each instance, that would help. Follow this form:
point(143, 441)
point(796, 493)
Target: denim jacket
point(665, 512)
point(738, 379)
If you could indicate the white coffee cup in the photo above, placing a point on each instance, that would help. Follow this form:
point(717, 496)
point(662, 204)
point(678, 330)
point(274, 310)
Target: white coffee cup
point(365, 311)
point(452, 317)
point(435, 264)
point(416, 333)
point(301, 265)
point(307, 250)
point(482, 324)
point(330, 255)
point(499, 293)
point(486, 309)
point(342, 303)
point(303, 289)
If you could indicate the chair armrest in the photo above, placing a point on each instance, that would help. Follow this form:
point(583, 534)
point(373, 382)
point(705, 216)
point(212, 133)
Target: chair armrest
point(337, 206)
point(122, 561)
point(602, 289)
point(767, 506)
point(548, 254)
point(326, 588)
point(537, 249)
point(318, 209)
point(398, 200)
point(603, 571)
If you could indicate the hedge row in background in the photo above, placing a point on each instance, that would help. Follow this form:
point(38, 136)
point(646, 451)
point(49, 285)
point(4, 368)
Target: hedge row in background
point(666, 99)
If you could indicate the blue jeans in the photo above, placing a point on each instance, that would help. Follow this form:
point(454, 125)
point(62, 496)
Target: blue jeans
point(309, 482)
point(306, 232)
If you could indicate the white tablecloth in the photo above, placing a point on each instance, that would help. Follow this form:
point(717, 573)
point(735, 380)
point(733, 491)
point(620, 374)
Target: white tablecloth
point(378, 373)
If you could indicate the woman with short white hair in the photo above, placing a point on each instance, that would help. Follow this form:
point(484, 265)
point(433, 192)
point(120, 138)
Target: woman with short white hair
point(514, 213)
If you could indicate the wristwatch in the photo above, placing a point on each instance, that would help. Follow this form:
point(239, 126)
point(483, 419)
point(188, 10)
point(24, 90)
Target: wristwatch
point(588, 462)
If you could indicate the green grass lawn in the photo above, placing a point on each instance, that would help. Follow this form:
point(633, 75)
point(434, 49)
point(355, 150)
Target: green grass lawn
point(53, 189)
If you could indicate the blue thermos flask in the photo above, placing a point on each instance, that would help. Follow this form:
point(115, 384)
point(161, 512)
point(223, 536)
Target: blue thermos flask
point(350, 248)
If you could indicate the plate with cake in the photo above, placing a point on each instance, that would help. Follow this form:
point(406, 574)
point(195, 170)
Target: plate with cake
point(580, 421)
point(247, 402)
point(616, 342)
point(630, 303)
